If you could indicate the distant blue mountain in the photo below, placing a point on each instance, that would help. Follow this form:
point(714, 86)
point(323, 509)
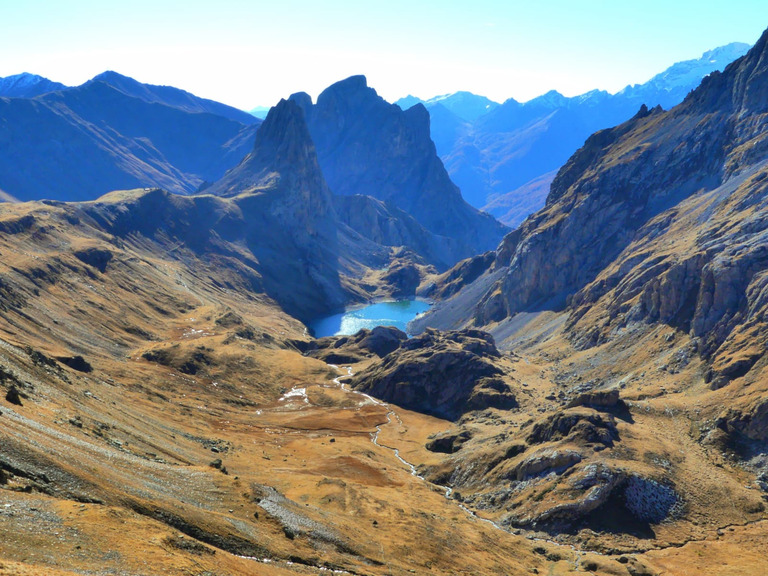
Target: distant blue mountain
point(464, 105)
point(27, 85)
point(174, 97)
point(115, 133)
point(515, 149)
point(671, 86)
point(259, 112)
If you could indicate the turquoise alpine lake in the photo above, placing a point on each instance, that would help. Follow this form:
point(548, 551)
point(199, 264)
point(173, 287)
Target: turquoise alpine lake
point(396, 314)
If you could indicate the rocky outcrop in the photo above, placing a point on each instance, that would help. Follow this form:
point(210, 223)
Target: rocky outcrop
point(370, 147)
point(376, 342)
point(403, 278)
point(750, 423)
point(445, 374)
point(76, 363)
point(448, 442)
point(595, 487)
point(97, 257)
point(597, 399)
point(589, 489)
point(13, 396)
point(649, 500)
point(80, 143)
point(576, 425)
point(381, 340)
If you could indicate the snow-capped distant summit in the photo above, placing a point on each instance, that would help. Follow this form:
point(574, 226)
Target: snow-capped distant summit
point(671, 86)
point(465, 105)
point(724, 55)
point(26, 85)
point(552, 99)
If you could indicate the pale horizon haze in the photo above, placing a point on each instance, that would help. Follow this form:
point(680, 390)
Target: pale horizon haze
point(249, 54)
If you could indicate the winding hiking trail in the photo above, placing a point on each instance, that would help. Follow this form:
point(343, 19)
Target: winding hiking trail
point(375, 440)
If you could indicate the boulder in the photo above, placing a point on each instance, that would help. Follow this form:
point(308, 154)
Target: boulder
point(448, 442)
point(602, 398)
point(13, 396)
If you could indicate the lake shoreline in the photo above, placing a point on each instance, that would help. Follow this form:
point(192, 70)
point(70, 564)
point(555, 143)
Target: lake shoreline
point(384, 312)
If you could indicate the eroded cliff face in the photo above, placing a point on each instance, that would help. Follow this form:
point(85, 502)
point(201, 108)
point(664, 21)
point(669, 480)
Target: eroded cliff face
point(283, 168)
point(370, 147)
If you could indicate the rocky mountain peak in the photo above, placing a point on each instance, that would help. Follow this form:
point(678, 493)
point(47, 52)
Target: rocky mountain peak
point(111, 75)
point(283, 165)
point(26, 85)
point(368, 146)
point(552, 99)
point(304, 101)
point(349, 86)
point(284, 138)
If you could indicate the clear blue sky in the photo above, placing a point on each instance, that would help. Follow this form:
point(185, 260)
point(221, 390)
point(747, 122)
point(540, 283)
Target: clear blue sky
point(248, 53)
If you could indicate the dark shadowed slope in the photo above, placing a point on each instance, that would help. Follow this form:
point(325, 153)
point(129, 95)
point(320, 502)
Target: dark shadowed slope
point(367, 146)
point(80, 143)
point(26, 85)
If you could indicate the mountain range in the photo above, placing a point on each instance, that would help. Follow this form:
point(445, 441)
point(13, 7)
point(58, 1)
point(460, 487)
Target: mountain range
point(503, 159)
point(112, 133)
point(589, 395)
point(641, 284)
point(27, 85)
